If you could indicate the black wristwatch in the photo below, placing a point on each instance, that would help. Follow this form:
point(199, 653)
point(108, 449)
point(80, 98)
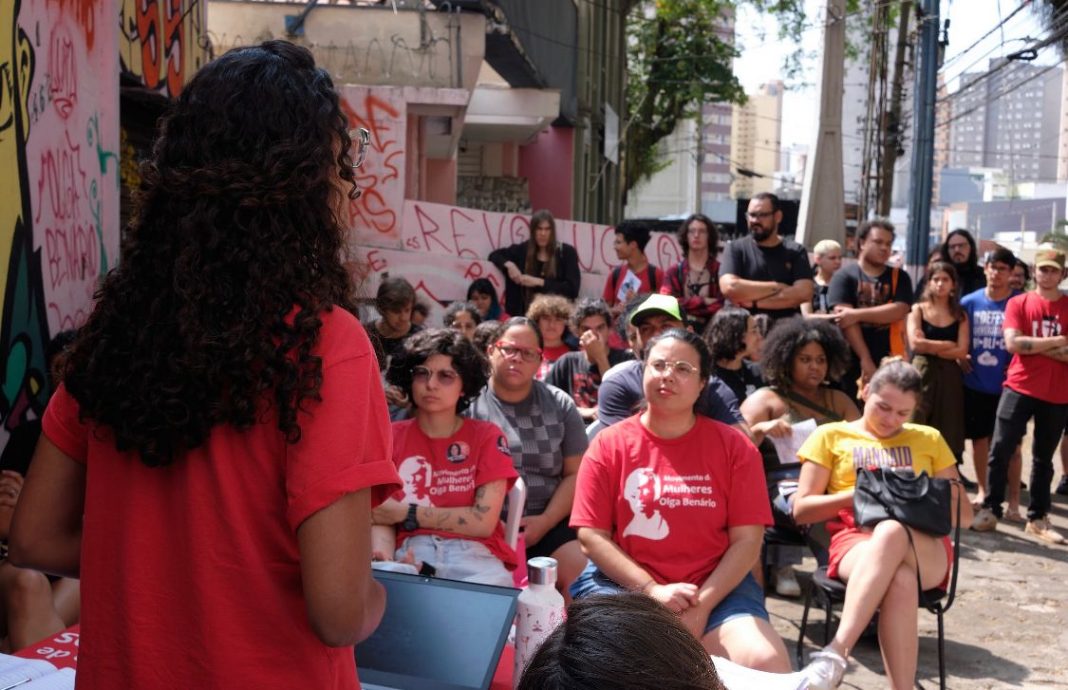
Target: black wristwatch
point(411, 523)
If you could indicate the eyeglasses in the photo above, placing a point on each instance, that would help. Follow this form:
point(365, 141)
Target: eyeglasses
point(510, 351)
point(759, 216)
point(683, 370)
point(446, 377)
point(362, 139)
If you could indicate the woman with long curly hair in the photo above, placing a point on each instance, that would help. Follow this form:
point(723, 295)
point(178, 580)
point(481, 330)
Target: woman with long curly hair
point(209, 467)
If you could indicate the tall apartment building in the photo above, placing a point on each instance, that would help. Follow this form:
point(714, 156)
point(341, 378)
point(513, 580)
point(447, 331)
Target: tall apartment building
point(1009, 117)
point(756, 141)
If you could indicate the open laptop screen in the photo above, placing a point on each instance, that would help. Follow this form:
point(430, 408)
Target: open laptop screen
point(436, 634)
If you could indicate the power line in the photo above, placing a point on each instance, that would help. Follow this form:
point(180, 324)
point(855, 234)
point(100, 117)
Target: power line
point(982, 38)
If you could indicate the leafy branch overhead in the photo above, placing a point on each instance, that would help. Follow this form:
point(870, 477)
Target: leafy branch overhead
point(679, 57)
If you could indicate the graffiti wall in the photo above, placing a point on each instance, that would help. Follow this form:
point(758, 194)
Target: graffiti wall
point(439, 248)
point(162, 42)
point(59, 195)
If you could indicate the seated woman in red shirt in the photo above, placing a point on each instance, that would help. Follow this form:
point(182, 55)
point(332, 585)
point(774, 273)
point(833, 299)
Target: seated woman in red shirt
point(210, 463)
point(455, 471)
point(673, 504)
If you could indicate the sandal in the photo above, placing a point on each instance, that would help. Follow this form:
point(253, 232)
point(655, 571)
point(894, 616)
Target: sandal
point(1013, 515)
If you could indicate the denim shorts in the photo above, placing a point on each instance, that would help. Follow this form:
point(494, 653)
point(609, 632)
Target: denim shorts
point(746, 599)
point(457, 559)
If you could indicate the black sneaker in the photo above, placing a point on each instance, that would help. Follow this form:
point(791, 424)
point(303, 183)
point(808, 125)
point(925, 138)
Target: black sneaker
point(1062, 487)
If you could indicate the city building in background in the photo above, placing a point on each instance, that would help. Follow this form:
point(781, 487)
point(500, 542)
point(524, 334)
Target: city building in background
point(756, 141)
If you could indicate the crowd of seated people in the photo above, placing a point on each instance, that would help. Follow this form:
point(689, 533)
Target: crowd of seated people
point(624, 414)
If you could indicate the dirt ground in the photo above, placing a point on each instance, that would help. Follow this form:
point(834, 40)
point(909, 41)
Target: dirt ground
point(1008, 627)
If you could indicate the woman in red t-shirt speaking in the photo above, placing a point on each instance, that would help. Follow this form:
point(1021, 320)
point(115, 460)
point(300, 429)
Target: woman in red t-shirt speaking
point(673, 504)
point(209, 467)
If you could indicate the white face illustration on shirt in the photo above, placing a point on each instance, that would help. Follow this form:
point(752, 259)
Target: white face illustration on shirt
point(416, 475)
point(642, 493)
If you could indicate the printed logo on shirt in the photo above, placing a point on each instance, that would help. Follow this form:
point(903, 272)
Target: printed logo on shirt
point(416, 476)
point(457, 452)
point(652, 498)
point(897, 457)
point(502, 445)
point(1048, 328)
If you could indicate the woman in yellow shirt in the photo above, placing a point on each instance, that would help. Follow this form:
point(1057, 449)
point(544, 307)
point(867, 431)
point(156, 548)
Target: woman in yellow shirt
point(877, 564)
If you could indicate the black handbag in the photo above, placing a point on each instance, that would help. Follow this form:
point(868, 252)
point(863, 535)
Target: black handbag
point(921, 502)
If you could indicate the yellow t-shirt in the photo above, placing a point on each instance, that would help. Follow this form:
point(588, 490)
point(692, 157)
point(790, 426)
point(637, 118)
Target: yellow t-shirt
point(841, 448)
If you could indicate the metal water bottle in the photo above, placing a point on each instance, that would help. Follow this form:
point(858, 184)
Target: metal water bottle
point(539, 609)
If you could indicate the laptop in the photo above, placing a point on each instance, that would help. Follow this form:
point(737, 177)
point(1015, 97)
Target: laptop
point(436, 634)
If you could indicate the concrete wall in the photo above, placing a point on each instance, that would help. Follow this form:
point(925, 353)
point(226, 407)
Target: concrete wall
point(364, 45)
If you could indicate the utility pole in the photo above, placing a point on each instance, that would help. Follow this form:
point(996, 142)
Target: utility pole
point(923, 119)
point(822, 214)
point(892, 129)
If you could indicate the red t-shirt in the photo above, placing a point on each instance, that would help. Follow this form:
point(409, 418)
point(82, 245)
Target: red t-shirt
point(1037, 375)
point(190, 573)
point(549, 355)
point(444, 472)
point(611, 288)
point(669, 502)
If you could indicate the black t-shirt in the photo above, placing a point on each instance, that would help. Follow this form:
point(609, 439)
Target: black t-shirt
point(853, 287)
point(786, 262)
point(742, 382)
point(579, 378)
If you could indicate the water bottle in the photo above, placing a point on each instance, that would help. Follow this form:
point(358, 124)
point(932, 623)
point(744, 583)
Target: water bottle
point(539, 609)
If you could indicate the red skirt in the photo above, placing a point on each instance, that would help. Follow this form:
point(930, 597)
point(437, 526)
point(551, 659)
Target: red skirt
point(845, 535)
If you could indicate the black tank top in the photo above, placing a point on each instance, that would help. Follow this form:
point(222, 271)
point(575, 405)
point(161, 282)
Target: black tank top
point(933, 332)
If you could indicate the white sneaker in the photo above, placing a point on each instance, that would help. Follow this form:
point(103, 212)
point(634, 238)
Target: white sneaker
point(786, 584)
point(1042, 529)
point(825, 669)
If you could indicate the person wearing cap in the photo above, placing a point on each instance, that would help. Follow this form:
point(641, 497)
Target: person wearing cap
point(763, 272)
point(1036, 333)
point(620, 395)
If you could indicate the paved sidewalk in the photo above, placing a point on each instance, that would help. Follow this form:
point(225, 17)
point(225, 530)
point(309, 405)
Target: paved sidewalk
point(1007, 629)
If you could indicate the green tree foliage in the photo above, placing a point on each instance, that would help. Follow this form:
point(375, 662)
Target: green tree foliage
point(677, 60)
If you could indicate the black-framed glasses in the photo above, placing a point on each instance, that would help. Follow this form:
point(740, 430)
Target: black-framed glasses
point(361, 138)
point(446, 377)
point(524, 353)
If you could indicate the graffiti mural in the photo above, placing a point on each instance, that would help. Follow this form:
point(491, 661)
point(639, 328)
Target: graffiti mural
point(162, 42)
point(375, 217)
point(59, 196)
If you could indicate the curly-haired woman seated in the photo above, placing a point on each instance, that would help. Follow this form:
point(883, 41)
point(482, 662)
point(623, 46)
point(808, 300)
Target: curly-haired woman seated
point(799, 357)
point(455, 471)
point(877, 564)
point(209, 466)
point(673, 504)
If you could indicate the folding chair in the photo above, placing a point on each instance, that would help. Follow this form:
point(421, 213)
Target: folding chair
point(832, 591)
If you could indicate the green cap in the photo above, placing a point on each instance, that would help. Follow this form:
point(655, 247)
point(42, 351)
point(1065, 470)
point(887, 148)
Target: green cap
point(656, 304)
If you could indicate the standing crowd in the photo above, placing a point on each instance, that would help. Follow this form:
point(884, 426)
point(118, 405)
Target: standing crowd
point(228, 449)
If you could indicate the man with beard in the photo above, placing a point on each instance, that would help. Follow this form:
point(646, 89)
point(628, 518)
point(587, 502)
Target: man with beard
point(871, 300)
point(959, 249)
point(763, 272)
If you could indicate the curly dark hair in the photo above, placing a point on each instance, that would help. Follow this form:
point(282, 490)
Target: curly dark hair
point(472, 366)
point(683, 233)
point(455, 308)
point(587, 307)
point(789, 336)
point(234, 252)
point(725, 334)
point(486, 334)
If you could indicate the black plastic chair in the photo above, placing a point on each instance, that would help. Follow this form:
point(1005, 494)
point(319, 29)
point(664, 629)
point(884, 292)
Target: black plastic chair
point(832, 591)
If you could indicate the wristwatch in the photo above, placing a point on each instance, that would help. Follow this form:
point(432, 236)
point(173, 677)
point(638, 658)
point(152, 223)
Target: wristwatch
point(411, 523)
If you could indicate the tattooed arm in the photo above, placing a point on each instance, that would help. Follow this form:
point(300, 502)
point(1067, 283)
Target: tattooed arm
point(477, 520)
point(1052, 346)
